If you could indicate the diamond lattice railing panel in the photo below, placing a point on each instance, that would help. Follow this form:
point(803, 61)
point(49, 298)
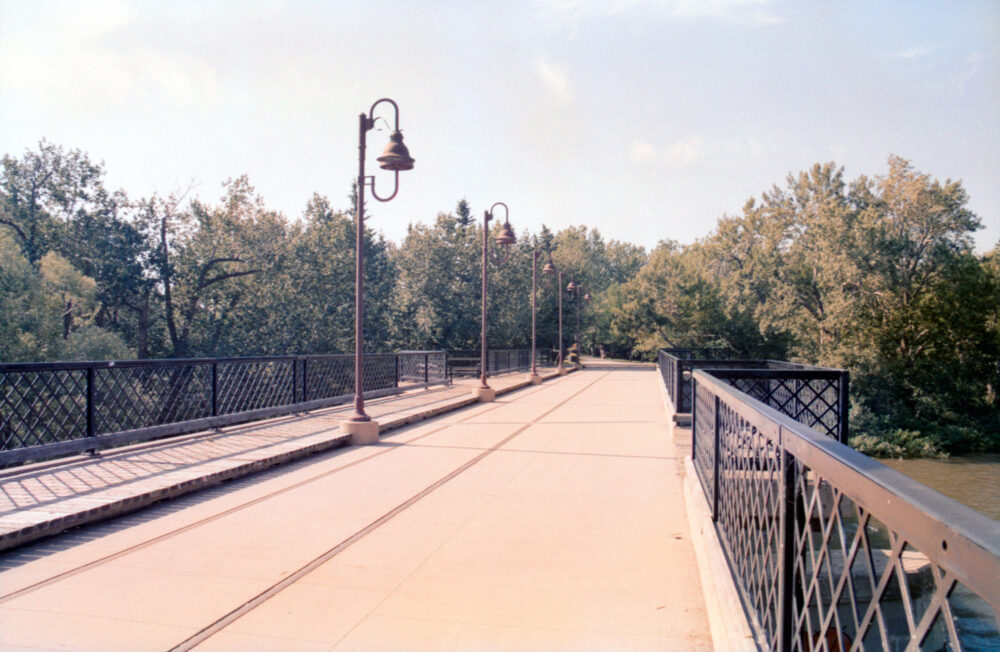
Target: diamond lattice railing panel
point(438, 363)
point(750, 468)
point(127, 398)
point(412, 367)
point(42, 407)
point(857, 582)
point(329, 377)
point(254, 384)
point(814, 402)
point(704, 443)
point(379, 371)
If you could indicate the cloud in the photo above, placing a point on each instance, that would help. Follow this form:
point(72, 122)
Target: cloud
point(680, 153)
point(642, 153)
point(753, 13)
point(912, 53)
point(556, 78)
point(73, 56)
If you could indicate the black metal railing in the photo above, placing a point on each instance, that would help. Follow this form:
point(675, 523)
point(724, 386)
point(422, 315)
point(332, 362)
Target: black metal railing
point(51, 409)
point(498, 361)
point(830, 549)
point(814, 396)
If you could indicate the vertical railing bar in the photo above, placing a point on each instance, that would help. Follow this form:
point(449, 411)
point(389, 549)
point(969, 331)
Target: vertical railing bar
point(678, 389)
point(305, 379)
point(715, 462)
point(694, 420)
point(843, 407)
point(426, 367)
point(786, 552)
point(215, 388)
point(91, 407)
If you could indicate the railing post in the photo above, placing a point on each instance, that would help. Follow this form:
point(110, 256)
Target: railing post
point(395, 357)
point(215, 388)
point(694, 419)
point(426, 368)
point(305, 379)
point(715, 461)
point(295, 380)
point(91, 392)
point(678, 388)
point(844, 407)
point(786, 552)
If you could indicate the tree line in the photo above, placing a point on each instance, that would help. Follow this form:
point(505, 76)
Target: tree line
point(877, 275)
point(86, 273)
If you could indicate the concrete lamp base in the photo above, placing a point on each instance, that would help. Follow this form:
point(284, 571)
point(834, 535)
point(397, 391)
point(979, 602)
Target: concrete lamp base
point(485, 394)
point(362, 433)
point(534, 379)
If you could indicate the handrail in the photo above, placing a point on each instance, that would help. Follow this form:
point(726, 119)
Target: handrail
point(56, 408)
point(831, 549)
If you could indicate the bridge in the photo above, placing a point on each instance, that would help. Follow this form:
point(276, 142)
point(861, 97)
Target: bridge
point(700, 504)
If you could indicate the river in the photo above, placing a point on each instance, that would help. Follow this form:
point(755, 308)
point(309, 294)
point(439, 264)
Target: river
point(973, 480)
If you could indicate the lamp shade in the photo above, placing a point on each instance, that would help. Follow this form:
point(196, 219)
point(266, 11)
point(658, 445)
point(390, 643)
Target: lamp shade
point(571, 287)
point(506, 236)
point(586, 297)
point(396, 157)
point(549, 268)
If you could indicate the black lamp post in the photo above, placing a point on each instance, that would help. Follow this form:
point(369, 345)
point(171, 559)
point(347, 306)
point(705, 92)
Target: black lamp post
point(549, 269)
point(506, 238)
point(396, 158)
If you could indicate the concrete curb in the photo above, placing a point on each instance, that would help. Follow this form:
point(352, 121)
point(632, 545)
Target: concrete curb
point(34, 530)
point(726, 618)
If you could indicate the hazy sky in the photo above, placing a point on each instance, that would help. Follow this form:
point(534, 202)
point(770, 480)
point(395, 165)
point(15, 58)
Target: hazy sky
point(647, 119)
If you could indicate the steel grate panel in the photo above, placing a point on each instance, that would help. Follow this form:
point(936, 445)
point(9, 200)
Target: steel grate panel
point(128, 398)
point(254, 384)
point(749, 487)
point(38, 408)
point(859, 583)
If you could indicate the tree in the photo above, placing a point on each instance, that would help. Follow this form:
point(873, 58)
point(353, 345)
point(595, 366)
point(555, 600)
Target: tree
point(43, 192)
point(463, 214)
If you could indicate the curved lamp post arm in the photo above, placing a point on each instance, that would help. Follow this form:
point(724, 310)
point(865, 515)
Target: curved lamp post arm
point(370, 124)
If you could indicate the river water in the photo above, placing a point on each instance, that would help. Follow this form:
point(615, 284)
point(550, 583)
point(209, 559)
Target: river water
point(973, 480)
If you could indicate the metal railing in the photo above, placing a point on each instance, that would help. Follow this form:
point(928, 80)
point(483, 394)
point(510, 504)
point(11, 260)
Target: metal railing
point(498, 361)
point(52, 409)
point(830, 549)
point(814, 396)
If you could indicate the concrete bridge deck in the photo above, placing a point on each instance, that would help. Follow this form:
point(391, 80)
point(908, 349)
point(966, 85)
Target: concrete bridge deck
point(550, 519)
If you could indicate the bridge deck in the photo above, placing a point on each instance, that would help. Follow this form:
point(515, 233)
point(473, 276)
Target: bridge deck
point(551, 519)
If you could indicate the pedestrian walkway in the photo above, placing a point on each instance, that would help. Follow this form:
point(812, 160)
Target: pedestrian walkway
point(42, 499)
point(552, 519)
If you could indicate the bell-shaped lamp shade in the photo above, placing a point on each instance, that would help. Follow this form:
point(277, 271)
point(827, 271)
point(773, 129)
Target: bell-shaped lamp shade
point(586, 297)
point(396, 157)
point(571, 287)
point(549, 268)
point(506, 236)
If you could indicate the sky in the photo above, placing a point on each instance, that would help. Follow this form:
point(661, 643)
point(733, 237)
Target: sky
point(646, 120)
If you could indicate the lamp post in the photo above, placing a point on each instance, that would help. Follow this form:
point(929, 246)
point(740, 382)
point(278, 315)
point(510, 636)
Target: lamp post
point(562, 370)
point(533, 377)
point(397, 158)
point(484, 392)
point(549, 269)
